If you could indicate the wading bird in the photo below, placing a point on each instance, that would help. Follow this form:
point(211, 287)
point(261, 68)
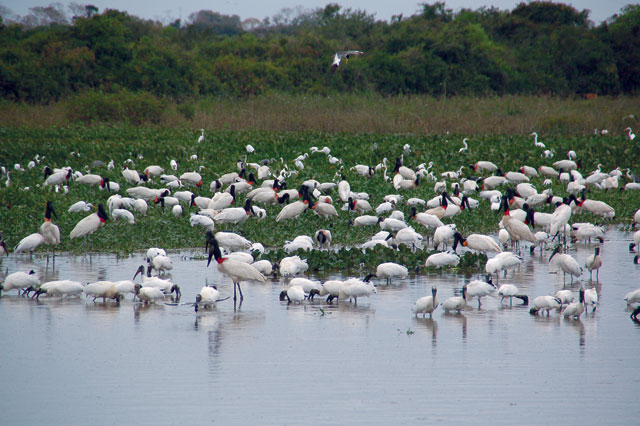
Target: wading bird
point(426, 305)
point(594, 262)
point(234, 269)
point(567, 263)
point(90, 224)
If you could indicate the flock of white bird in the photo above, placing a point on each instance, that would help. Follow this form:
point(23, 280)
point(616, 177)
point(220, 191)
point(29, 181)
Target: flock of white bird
point(510, 192)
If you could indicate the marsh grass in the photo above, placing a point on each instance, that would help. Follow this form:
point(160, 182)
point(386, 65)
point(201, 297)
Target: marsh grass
point(22, 209)
point(346, 113)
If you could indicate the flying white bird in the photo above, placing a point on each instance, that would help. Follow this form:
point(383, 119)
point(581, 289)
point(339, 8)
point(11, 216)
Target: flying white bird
point(343, 55)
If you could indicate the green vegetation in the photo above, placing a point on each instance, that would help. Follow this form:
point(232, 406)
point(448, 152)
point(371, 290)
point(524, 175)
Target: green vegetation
point(536, 48)
point(22, 202)
point(109, 86)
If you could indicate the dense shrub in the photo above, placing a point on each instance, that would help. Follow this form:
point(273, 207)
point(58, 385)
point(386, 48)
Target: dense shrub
point(122, 106)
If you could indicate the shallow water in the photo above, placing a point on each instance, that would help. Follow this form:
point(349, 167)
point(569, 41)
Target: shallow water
point(74, 361)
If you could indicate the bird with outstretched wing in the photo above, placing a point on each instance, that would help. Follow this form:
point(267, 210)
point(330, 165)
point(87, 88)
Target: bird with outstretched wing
point(343, 55)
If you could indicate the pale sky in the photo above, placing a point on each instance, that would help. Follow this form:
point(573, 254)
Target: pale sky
point(167, 10)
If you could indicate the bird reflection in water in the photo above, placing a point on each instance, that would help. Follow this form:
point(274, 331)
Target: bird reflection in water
point(430, 325)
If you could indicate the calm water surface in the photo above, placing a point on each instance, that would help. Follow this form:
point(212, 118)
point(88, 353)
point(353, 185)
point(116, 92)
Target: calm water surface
point(72, 361)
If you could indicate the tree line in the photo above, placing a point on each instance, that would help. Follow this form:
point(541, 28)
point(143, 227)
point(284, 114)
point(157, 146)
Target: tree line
point(536, 48)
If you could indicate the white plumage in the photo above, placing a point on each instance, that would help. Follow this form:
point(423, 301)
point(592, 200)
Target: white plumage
point(389, 270)
point(61, 288)
point(575, 309)
point(207, 297)
point(566, 263)
point(29, 243)
point(89, 224)
point(80, 206)
point(123, 214)
point(19, 281)
point(456, 303)
point(236, 270)
point(426, 305)
point(480, 289)
point(438, 260)
point(545, 304)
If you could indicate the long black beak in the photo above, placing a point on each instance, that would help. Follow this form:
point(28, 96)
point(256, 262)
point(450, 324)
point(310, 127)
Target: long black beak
point(524, 298)
point(139, 271)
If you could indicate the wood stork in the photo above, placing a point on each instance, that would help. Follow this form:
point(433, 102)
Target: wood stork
point(575, 309)
point(427, 304)
point(90, 179)
point(331, 289)
point(165, 286)
point(480, 289)
point(567, 264)
point(60, 288)
point(293, 294)
point(123, 214)
point(20, 281)
point(353, 288)
point(594, 262)
point(3, 246)
point(291, 266)
point(192, 178)
point(511, 291)
point(228, 240)
point(456, 303)
point(391, 270)
point(632, 297)
point(565, 296)
point(102, 289)
point(208, 297)
point(147, 294)
point(439, 260)
point(591, 298)
point(545, 304)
